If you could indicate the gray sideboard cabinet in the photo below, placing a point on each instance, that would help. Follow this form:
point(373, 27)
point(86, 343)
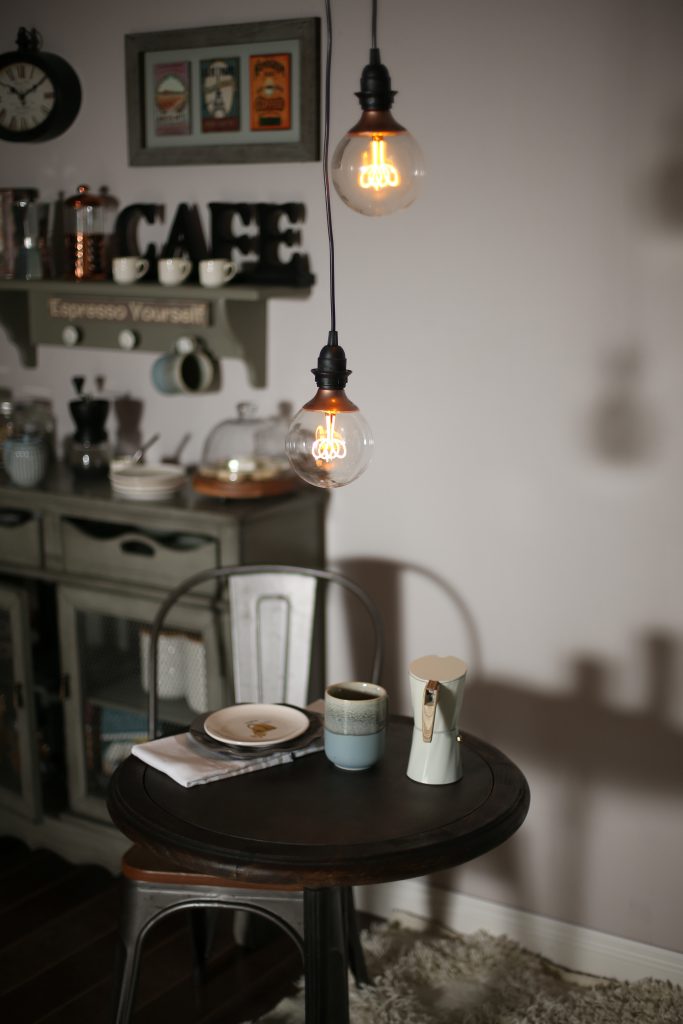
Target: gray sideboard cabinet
point(82, 574)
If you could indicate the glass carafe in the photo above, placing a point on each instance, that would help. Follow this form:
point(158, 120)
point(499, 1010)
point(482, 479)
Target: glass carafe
point(88, 227)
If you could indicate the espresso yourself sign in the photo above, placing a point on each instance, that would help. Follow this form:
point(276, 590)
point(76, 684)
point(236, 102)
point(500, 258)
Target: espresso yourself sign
point(130, 311)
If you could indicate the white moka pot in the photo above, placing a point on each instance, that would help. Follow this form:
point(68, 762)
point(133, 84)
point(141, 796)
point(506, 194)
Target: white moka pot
point(437, 686)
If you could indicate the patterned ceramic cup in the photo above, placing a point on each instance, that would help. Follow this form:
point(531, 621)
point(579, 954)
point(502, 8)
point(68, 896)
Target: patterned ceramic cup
point(355, 724)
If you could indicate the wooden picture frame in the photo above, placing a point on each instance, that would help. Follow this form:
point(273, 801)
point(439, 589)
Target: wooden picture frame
point(244, 93)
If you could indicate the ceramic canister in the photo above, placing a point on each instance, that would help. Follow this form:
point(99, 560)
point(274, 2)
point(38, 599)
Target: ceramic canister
point(26, 460)
point(437, 688)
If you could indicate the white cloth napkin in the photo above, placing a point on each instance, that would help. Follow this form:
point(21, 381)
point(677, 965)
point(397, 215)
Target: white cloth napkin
point(188, 763)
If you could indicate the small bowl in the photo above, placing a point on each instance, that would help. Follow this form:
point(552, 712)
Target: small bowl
point(140, 482)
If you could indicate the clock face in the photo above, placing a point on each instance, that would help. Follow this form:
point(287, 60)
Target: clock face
point(27, 97)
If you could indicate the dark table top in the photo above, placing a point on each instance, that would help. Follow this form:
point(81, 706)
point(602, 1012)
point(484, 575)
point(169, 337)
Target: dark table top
point(311, 824)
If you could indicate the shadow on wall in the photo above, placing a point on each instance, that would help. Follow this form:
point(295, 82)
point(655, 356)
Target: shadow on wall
point(577, 734)
point(382, 580)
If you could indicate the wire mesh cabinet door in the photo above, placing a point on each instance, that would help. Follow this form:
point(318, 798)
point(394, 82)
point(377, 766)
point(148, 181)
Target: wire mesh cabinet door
point(19, 770)
point(104, 639)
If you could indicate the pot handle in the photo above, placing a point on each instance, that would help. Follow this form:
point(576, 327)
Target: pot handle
point(430, 699)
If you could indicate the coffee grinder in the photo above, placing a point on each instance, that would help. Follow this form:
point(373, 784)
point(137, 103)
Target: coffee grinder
point(88, 450)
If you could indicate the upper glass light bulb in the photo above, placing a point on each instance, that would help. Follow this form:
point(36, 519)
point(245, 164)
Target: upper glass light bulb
point(379, 172)
point(377, 167)
point(329, 443)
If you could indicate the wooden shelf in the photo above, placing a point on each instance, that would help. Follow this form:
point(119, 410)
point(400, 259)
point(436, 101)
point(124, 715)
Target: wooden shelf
point(231, 320)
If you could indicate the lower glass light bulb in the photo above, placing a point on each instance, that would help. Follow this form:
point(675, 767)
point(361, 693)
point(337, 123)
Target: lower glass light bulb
point(329, 443)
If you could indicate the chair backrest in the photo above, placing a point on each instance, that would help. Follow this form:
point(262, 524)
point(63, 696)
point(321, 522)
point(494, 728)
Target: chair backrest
point(273, 611)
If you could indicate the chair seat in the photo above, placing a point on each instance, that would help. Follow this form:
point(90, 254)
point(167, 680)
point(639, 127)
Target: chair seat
point(140, 864)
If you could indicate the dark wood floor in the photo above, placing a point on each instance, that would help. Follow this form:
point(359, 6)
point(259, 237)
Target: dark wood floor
point(58, 926)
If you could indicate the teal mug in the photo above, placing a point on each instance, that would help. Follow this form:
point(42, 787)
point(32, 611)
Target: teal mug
point(355, 724)
point(184, 373)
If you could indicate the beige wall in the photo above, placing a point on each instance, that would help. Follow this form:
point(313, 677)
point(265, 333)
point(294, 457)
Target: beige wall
point(532, 305)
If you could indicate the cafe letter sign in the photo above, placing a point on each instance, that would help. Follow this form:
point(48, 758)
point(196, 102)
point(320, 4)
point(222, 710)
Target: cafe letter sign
point(262, 237)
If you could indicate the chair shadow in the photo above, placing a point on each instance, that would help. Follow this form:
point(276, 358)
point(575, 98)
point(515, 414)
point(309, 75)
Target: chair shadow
point(576, 733)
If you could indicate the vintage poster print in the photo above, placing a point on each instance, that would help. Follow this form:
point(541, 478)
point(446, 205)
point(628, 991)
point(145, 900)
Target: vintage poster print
point(220, 94)
point(270, 92)
point(172, 99)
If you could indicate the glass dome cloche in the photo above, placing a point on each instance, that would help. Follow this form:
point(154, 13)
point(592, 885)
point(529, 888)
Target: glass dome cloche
point(245, 457)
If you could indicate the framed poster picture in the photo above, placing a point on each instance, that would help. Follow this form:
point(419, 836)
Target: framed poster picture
point(247, 93)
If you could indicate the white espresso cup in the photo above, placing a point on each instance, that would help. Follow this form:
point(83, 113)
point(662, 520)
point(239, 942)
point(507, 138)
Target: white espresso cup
point(214, 273)
point(129, 269)
point(173, 270)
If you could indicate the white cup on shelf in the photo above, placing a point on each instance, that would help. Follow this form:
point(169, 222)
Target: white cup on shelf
point(129, 269)
point(216, 273)
point(173, 270)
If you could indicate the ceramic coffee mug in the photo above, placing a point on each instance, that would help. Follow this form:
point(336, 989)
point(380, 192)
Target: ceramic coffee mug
point(173, 270)
point(355, 724)
point(184, 372)
point(128, 269)
point(215, 273)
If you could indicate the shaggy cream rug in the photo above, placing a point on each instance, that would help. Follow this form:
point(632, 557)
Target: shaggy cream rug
point(438, 977)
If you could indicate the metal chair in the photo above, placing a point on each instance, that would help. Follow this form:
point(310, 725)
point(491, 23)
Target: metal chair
point(274, 614)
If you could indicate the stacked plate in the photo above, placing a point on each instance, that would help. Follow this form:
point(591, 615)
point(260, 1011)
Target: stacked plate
point(253, 730)
point(139, 482)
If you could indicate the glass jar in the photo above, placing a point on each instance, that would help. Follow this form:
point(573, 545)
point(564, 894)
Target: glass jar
point(246, 449)
point(6, 424)
point(88, 229)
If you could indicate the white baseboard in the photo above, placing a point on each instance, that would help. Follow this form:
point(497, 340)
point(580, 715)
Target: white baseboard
point(76, 839)
point(570, 946)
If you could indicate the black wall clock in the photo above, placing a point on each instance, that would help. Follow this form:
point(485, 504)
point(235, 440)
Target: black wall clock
point(40, 94)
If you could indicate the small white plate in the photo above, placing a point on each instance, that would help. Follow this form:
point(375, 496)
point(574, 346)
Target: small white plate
point(256, 725)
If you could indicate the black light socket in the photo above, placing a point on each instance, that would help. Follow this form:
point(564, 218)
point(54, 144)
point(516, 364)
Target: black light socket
point(375, 85)
point(331, 372)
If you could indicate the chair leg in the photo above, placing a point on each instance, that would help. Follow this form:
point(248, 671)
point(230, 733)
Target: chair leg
point(203, 922)
point(356, 955)
point(133, 920)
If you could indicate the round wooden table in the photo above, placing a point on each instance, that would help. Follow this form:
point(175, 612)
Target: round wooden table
point(313, 829)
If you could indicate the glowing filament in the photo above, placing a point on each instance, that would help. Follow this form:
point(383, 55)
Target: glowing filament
point(329, 444)
point(379, 173)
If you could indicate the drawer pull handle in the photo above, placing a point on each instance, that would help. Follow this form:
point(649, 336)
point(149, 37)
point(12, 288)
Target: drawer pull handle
point(138, 547)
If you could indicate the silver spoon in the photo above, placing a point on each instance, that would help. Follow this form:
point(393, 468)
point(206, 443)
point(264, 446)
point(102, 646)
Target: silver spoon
point(137, 456)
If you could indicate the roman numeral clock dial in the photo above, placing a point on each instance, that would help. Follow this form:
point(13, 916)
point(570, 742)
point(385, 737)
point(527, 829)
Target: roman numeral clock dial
point(40, 94)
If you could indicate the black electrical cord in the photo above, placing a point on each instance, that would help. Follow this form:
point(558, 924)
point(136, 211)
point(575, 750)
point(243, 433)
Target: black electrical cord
point(326, 175)
point(374, 24)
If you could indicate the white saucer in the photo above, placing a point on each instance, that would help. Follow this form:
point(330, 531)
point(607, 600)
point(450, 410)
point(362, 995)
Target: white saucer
point(256, 725)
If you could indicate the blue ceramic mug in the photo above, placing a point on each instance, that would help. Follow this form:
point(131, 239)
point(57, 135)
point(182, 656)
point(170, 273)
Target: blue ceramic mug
point(184, 372)
point(355, 724)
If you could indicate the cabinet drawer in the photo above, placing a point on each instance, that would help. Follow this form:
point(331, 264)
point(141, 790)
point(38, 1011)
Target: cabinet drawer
point(20, 538)
point(107, 551)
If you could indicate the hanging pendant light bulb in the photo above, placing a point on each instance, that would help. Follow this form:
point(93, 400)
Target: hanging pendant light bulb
point(377, 167)
point(329, 442)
